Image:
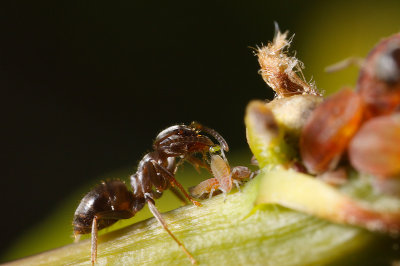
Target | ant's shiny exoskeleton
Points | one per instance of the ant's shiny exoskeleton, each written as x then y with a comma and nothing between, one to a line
112,200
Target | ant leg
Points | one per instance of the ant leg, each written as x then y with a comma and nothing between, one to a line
161,220
94,240
179,195
179,163
116,215
198,163
164,172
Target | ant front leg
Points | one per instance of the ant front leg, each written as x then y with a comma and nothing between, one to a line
170,177
162,222
198,163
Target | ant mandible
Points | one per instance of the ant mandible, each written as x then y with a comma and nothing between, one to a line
112,200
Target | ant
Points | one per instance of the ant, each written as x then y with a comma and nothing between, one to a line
223,180
112,200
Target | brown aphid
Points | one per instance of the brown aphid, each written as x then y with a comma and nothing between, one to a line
223,180
111,200
379,79
329,129
279,70
375,149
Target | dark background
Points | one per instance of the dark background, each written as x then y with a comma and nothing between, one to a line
87,86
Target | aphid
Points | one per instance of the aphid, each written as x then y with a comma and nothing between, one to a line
279,70
329,129
375,149
379,79
223,180
111,201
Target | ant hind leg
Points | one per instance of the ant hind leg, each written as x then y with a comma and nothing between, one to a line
94,240
112,215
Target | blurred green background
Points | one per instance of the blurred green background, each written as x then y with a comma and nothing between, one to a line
88,85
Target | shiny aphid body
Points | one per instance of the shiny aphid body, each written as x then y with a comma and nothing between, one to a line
112,200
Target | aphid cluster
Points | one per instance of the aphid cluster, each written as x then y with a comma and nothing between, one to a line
112,200
364,124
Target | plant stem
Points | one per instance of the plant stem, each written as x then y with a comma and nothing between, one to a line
224,231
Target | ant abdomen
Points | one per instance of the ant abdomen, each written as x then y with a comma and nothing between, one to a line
104,202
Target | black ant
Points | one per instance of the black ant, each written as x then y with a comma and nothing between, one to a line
112,200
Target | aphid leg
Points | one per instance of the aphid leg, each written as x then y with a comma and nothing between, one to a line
161,220
237,184
164,172
211,193
179,195
239,174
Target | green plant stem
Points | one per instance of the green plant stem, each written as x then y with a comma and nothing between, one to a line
224,231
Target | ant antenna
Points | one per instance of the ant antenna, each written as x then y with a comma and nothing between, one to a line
213,133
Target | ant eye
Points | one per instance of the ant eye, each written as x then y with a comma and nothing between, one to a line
388,65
